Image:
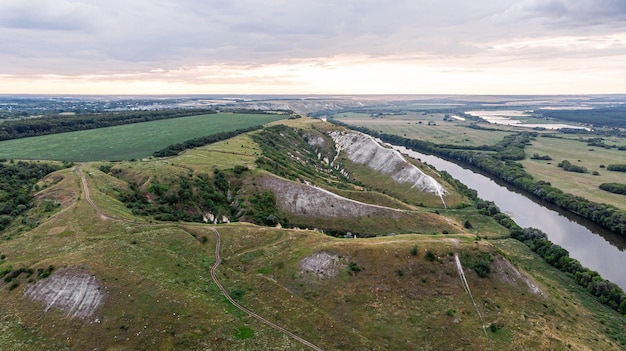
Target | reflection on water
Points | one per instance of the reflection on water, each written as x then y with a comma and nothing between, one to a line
595,247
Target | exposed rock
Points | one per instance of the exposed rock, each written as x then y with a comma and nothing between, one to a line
74,291
305,199
323,264
363,149
507,272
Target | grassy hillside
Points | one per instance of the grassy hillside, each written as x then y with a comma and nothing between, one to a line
130,141
147,285
381,294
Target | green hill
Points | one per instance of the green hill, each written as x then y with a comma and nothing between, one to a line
104,270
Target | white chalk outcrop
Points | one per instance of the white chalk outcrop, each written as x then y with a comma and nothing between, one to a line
309,200
363,149
74,291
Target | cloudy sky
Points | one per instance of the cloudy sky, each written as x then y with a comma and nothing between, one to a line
312,47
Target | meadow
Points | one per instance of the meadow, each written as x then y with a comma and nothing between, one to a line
132,141
415,125
580,154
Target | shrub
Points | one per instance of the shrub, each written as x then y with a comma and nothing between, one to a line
236,294
430,256
482,268
414,250
354,267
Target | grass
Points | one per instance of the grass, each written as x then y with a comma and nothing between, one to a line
408,126
126,142
158,277
159,294
240,150
585,185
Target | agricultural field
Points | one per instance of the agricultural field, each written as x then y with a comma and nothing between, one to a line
425,126
132,141
580,154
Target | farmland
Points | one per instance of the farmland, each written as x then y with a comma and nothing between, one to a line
580,154
425,126
133,141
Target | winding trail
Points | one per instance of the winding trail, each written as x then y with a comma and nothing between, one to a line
95,207
242,308
213,268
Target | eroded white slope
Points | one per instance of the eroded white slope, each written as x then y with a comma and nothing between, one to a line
363,149
309,200
74,291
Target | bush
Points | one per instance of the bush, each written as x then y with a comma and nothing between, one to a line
430,256
414,250
615,188
617,168
236,294
354,267
482,268
567,166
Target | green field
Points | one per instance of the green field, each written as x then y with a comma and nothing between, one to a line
130,141
414,125
580,154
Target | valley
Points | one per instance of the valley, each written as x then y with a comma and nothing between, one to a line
300,235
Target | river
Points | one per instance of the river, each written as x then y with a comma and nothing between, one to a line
595,247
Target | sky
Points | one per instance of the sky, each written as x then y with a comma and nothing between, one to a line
312,47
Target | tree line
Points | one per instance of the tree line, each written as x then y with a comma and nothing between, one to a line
612,117
175,149
61,124
605,291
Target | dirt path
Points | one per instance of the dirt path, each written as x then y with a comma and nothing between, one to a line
213,268
95,207
242,308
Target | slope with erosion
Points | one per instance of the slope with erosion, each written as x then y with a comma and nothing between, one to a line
388,293
340,294
308,155
364,150
315,207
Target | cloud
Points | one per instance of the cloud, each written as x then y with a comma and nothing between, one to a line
565,14
164,39
60,15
